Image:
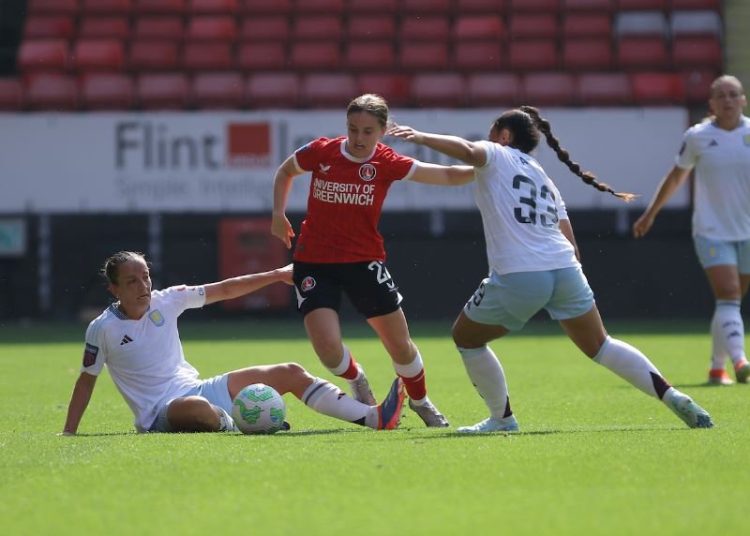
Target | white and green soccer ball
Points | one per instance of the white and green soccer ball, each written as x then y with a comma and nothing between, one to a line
259,409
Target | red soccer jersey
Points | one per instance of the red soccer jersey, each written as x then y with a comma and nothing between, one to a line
345,201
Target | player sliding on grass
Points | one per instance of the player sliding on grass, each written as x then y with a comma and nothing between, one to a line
137,338
534,264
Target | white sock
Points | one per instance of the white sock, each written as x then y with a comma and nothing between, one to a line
326,398
346,359
488,377
631,365
731,329
718,349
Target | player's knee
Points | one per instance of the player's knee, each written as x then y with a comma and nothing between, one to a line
296,371
193,414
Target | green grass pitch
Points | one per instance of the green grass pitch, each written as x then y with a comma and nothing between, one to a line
594,456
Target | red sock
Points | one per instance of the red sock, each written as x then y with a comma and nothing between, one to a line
416,386
351,372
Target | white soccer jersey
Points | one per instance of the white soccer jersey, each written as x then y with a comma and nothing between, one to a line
722,179
520,208
144,357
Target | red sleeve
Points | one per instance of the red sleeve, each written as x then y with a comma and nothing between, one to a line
308,155
399,166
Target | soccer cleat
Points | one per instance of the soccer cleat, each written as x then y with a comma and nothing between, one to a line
742,372
361,391
429,414
687,410
491,424
389,412
719,377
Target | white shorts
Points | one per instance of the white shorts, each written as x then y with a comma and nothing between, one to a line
215,390
510,300
717,252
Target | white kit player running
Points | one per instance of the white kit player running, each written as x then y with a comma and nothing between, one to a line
138,341
533,261
340,251
719,151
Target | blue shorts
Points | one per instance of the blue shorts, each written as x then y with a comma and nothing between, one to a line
510,300
717,252
215,390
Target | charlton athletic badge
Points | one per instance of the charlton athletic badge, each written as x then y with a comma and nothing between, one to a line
308,283
367,172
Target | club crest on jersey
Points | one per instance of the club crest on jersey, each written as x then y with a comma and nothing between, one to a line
156,317
367,172
308,284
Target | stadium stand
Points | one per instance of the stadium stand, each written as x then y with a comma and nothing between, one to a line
555,52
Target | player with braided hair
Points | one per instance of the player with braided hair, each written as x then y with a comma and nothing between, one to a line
534,264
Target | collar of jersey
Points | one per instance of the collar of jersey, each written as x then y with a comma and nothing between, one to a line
353,158
114,307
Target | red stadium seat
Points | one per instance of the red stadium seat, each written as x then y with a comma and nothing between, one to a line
106,7
211,28
549,89
479,27
539,6
265,28
497,89
317,55
371,27
423,55
163,91
697,85
159,27
332,7
599,6
376,7
53,7
535,55
107,91
216,7
273,90
430,28
266,7
51,91
698,51
588,54
645,5
261,56
396,88
443,89
587,25
207,56
642,52
48,27
11,95
370,55
46,55
165,7
153,56
98,55
604,89
325,27
425,6
218,91
478,56
482,6
104,28
328,90
657,88
524,25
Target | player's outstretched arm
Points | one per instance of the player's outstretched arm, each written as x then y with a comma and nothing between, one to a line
282,183
667,187
235,287
453,146
79,401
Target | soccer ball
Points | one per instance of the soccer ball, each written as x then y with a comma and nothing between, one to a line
258,409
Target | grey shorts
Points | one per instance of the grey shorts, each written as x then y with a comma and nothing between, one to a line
510,300
215,390
717,252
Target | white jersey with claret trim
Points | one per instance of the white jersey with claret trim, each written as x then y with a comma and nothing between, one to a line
145,356
521,208
721,159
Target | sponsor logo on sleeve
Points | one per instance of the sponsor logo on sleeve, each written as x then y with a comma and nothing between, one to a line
89,355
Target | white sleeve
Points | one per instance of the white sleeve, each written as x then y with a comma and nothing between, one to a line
184,297
489,152
94,351
688,154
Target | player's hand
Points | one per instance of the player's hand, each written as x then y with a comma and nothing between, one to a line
282,229
642,225
405,133
286,274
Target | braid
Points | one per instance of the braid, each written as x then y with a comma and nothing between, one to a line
564,157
